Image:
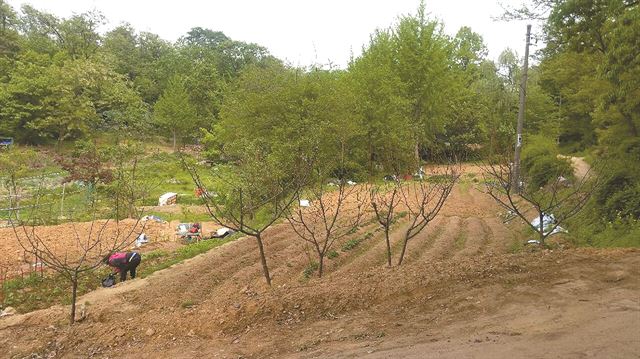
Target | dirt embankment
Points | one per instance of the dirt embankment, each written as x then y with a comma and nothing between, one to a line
460,294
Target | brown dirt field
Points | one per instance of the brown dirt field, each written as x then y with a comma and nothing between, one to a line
62,239
460,294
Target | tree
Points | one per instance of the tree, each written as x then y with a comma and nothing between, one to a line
383,108
423,59
87,164
469,49
93,240
405,80
252,197
9,37
423,200
174,112
331,215
385,200
556,202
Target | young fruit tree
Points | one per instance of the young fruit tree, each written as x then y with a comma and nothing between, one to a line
247,198
553,199
327,215
423,199
385,199
103,233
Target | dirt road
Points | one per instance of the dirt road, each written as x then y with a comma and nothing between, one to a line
460,294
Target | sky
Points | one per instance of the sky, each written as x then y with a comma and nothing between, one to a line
301,32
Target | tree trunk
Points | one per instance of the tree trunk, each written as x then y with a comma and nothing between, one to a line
404,249
386,236
541,229
263,259
74,294
174,140
321,265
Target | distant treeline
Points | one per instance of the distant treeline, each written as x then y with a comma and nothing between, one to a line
414,93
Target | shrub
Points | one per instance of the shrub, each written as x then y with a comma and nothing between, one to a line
540,163
619,195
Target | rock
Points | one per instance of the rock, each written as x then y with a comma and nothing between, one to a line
150,332
8,311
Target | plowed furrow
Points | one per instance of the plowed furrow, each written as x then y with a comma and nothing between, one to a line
425,240
471,239
444,244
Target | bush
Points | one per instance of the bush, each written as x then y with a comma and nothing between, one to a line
619,195
540,163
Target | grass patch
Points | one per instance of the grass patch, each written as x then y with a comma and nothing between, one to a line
35,291
332,254
516,245
460,240
352,243
311,269
159,262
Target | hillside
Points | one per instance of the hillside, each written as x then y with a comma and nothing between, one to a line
461,293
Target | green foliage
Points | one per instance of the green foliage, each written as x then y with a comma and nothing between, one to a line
350,244
619,195
541,164
174,112
354,242
591,69
332,254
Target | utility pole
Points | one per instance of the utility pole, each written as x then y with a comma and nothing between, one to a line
523,96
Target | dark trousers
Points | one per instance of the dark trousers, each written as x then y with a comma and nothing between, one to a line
133,261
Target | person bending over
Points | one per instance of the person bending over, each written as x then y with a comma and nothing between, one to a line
123,262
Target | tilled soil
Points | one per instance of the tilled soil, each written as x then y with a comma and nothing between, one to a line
459,294
64,240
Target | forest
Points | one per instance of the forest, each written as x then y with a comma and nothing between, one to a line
413,95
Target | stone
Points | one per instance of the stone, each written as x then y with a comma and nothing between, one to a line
150,332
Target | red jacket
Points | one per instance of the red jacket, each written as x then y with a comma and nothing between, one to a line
118,260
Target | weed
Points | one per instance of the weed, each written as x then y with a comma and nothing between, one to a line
187,304
350,244
311,268
155,254
332,254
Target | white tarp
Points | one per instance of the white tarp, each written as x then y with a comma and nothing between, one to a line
142,239
167,198
223,231
548,221
304,203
